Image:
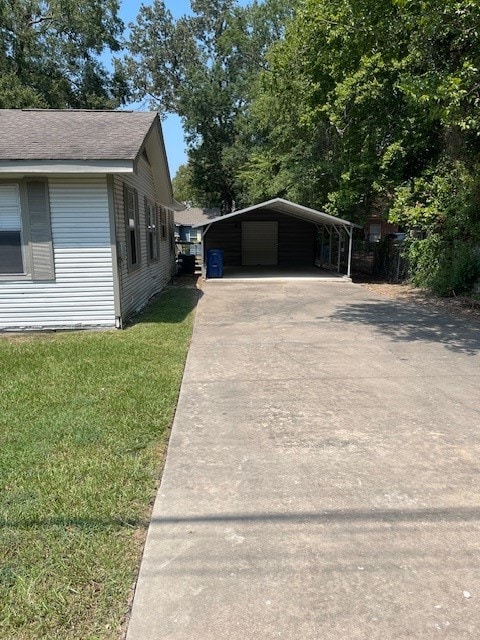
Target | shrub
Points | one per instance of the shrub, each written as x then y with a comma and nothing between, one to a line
446,268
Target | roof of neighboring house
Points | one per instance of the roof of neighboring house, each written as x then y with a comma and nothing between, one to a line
195,216
50,134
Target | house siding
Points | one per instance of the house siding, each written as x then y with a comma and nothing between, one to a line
81,295
138,285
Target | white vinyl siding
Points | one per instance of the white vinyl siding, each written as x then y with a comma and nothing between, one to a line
82,293
137,287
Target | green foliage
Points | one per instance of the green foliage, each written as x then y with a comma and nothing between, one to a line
366,106
446,268
182,185
202,67
49,54
444,197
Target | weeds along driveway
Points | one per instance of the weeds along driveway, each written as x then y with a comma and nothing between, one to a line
322,479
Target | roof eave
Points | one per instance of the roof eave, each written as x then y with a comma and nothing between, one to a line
65,166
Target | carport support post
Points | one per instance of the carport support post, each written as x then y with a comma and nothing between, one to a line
319,229
350,248
323,242
339,250
339,247
330,247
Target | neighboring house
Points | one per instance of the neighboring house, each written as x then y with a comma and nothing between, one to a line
86,217
188,238
377,228
187,218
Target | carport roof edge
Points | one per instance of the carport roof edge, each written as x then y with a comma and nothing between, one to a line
290,208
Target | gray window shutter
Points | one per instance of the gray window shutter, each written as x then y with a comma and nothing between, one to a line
43,266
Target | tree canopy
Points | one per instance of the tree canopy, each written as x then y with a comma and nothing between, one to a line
201,67
368,107
49,54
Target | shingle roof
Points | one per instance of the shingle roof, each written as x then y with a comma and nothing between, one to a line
194,215
42,134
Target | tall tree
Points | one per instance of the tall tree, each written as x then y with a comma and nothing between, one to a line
370,107
201,67
362,96
49,54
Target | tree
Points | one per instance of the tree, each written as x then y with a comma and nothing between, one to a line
49,54
201,67
335,124
369,107
183,188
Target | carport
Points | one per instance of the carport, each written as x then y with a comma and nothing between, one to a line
278,236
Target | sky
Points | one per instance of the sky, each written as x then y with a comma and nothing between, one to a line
172,126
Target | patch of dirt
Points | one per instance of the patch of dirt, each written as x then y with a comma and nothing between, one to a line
460,306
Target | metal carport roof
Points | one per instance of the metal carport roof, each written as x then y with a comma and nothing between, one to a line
289,208
318,218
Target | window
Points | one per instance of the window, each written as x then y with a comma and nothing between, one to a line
26,246
375,232
163,223
152,231
170,230
130,197
11,241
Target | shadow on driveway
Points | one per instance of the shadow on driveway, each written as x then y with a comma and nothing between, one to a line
407,323
440,514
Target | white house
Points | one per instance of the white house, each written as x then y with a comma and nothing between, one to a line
86,217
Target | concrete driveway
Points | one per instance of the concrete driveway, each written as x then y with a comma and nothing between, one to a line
323,475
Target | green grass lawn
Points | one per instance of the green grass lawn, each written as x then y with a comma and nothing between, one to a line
84,423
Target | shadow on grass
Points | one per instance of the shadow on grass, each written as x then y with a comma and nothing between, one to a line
170,306
407,323
79,523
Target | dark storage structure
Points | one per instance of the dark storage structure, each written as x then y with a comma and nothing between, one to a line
278,233
265,238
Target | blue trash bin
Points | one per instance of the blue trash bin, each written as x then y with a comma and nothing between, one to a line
215,263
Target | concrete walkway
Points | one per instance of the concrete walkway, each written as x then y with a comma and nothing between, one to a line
323,474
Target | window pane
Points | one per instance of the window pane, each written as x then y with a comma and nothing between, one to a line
11,259
133,246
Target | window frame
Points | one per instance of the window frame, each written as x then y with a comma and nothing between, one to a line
152,231
27,273
374,232
132,243
163,223
16,230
